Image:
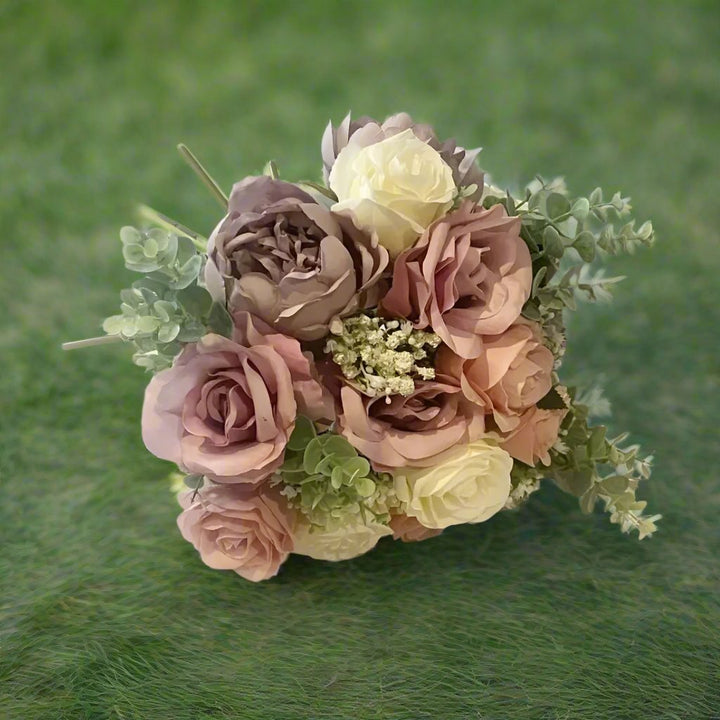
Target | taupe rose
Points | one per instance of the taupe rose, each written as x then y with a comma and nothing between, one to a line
291,261
410,430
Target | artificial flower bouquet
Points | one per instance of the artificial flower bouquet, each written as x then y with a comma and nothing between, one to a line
376,354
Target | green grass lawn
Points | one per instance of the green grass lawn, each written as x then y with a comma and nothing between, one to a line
106,612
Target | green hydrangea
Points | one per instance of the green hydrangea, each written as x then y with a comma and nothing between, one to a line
380,356
325,479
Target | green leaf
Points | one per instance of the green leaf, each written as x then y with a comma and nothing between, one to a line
552,243
364,487
580,208
585,245
219,320
556,205
596,444
357,466
312,456
552,401
194,482
301,436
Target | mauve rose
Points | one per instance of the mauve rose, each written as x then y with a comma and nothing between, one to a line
513,372
291,261
537,432
408,430
236,529
366,131
226,408
410,529
469,275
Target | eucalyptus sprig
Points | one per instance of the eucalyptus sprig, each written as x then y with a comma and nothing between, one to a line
591,466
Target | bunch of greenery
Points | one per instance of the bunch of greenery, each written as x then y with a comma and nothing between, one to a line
324,478
554,224
167,308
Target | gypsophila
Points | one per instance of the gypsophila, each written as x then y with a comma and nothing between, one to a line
382,357
525,481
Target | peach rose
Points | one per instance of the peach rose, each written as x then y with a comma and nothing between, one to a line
410,529
226,408
537,432
513,372
234,529
408,430
468,275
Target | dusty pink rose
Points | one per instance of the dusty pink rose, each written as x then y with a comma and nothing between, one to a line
410,529
226,408
236,529
469,275
513,372
408,430
290,261
365,131
535,435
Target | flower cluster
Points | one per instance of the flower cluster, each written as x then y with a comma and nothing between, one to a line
373,355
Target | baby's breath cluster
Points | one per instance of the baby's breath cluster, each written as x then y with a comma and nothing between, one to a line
380,356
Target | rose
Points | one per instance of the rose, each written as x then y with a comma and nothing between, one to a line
291,261
513,372
409,529
395,431
340,543
469,275
466,174
468,484
536,433
234,529
227,407
394,187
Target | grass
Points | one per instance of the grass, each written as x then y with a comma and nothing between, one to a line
106,612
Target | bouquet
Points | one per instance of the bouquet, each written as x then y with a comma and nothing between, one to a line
375,354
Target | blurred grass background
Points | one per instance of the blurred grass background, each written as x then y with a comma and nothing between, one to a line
105,611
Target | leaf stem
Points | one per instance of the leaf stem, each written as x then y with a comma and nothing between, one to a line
203,174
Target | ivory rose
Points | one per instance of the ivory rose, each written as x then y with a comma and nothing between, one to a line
226,408
468,484
236,529
394,188
536,433
290,261
341,543
469,275
513,372
410,430
466,174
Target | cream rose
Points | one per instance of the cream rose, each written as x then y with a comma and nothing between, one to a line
342,543
395,187
469,484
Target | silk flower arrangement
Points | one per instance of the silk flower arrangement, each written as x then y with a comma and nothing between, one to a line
373,355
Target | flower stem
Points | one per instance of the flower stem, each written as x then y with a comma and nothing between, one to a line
203,174
90,342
